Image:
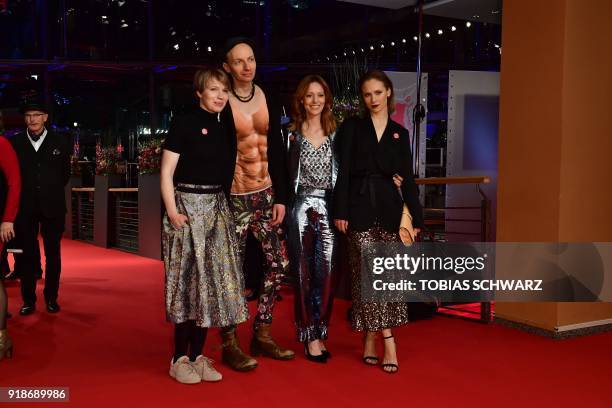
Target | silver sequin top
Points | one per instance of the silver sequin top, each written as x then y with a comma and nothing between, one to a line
316,165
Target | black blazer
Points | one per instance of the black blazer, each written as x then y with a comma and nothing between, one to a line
277,166
44,174
365,192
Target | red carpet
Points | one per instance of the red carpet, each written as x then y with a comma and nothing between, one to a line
111,346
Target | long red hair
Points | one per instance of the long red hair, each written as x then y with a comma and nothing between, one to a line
298,113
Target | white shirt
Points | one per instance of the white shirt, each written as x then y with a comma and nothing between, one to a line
39,142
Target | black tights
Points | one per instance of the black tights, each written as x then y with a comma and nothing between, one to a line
189,340
3,305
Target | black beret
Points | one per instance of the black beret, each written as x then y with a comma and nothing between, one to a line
232,42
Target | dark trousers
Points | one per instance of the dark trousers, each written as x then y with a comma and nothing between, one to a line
4,265
51,230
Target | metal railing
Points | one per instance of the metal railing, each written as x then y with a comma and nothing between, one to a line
123,233
83,213
436,222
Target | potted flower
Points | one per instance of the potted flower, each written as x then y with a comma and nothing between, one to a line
108,175
149,198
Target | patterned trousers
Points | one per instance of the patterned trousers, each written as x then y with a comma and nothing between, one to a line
254,212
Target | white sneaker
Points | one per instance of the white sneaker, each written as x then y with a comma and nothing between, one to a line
183,372
203,366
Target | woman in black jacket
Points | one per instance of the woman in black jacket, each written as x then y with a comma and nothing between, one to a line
368,206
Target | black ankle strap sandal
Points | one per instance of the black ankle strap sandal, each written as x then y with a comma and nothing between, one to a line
369,360
390,365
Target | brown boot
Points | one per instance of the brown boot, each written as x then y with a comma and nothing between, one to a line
231,353
264,345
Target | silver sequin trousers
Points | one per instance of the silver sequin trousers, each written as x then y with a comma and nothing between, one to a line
311,252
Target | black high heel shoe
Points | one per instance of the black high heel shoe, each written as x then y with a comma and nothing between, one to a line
310,357
394,368
369,360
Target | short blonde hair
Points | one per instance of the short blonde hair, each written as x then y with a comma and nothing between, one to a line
203,76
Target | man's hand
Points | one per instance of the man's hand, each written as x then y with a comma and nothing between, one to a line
178,221
342,225
278,214
6,231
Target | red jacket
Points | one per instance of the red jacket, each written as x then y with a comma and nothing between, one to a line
10,185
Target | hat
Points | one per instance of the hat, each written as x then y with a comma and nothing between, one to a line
234,41
33,103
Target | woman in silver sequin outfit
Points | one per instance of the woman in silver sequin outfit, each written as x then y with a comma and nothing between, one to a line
367,206
204,282
312,168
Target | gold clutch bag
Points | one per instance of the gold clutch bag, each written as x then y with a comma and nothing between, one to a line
406,231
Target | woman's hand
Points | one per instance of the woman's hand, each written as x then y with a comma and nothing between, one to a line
278,214
178,221
342,225
6,231
398,180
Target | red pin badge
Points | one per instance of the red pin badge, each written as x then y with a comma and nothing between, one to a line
204,131
396,136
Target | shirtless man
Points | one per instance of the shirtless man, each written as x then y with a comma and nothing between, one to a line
259,193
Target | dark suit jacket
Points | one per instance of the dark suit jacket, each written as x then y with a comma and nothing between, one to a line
44,174
277,166
364,192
